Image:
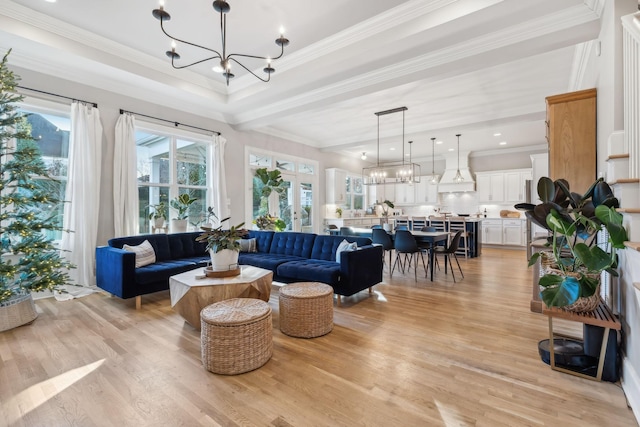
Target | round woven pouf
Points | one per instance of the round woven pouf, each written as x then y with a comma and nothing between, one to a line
236,335
306,309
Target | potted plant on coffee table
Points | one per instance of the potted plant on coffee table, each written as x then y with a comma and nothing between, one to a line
223,245
574,263
181,204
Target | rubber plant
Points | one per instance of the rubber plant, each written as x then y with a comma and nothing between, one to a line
573,221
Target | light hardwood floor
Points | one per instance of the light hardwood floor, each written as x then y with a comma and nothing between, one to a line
410,354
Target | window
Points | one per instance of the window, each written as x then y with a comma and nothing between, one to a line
355,193
50,127
170,165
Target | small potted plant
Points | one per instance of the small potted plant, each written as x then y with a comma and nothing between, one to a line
158,214
223,245
268,222
386,205
573,266
181,204
209,216
339,212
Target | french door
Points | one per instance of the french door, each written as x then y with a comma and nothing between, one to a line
296,203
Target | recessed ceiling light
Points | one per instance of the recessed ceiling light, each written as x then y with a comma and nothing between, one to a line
438,142
406,155
503,143
451,149
497,134
392,149
50,1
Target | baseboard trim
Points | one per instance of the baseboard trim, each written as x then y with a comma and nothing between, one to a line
631,386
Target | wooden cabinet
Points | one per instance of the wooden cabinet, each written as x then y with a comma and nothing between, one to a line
571,133
336,188
490,187
515,185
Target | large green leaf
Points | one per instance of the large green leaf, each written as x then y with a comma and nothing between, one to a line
594,258
549,280
566,293
588,286
559,224
612,220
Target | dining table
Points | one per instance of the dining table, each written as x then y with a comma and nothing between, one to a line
431,237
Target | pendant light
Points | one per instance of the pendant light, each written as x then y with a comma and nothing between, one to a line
458,178
434,177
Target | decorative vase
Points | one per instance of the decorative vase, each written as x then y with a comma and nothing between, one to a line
224,260
386,226
178,225
17,311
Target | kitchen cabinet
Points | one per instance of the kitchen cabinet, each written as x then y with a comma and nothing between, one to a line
490,187
426,193
515,185
405,194
492,231
512,233
571,133
383,192
336,186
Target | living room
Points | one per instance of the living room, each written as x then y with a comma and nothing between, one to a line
201,108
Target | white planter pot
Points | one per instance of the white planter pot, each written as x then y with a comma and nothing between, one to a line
158,222
224,260
386,227
179,225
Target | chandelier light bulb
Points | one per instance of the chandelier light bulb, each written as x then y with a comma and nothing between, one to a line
281,31
173,45
161,4
364,156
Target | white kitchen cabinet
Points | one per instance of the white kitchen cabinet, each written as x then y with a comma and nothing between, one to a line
492,231
490,187
385,192
426,193
515,185
336,186
512,234
405,194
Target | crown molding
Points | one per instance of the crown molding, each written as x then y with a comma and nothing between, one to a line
271,131
538,148
581,58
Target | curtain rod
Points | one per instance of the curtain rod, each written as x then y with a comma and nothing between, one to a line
59,96
176,124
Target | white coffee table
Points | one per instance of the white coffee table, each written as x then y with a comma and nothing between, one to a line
190,295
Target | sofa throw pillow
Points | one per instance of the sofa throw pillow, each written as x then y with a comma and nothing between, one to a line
145,254
248,245
345,246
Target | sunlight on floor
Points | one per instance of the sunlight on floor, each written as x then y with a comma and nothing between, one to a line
34,396
380,296
450,416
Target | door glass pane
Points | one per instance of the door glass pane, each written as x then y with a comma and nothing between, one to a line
306,204
259,160
152,152
306,168
260,205
285,165
191,162
285,205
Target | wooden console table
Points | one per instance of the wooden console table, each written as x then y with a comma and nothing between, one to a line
601,316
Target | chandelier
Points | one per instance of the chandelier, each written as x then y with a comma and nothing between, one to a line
392,172
458,178
434,178
226,59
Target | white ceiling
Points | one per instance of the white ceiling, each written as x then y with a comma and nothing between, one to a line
476,67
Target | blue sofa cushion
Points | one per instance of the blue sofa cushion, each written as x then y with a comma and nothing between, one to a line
324,247
160,243
266,261
290,243
161,271
311,270
263,239
184,245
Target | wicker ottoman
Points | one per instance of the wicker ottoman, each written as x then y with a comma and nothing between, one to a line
306,309
236,335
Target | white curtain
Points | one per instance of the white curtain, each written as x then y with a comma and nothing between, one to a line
83,194
219,183
125,186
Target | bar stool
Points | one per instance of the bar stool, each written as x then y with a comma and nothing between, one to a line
459,224
418,222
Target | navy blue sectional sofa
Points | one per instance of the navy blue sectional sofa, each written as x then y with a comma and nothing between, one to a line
293,257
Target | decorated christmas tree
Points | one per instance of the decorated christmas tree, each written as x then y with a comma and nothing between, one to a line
25,213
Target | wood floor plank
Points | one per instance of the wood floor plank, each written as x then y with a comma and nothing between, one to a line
411,353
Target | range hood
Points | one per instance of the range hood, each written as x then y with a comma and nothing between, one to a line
447,184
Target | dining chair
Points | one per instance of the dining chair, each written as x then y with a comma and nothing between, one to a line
450,252
417,222
405,244
459,224
377,226
426,245
381,237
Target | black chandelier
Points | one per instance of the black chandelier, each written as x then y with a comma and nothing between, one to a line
225,59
